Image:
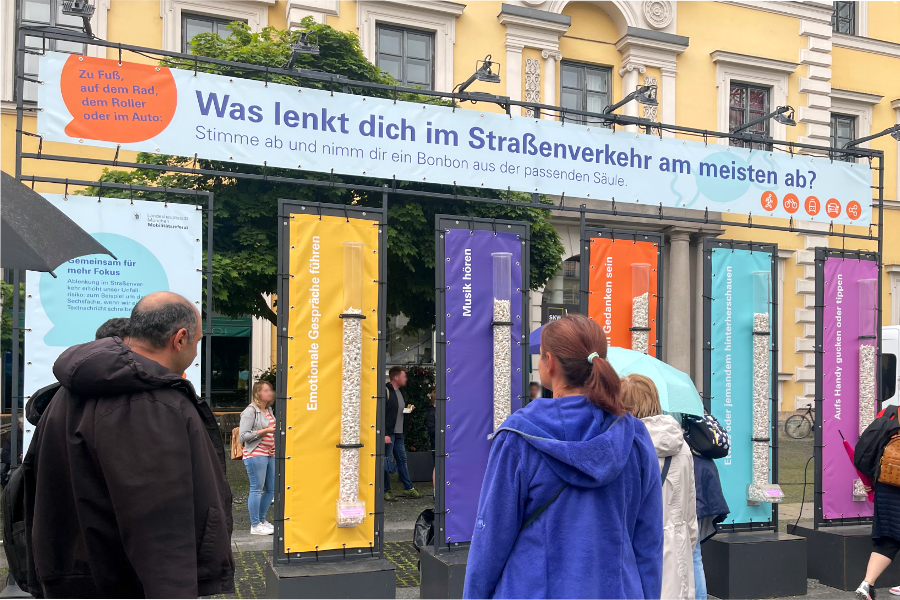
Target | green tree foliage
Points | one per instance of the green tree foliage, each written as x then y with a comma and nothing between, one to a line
419,385
245,232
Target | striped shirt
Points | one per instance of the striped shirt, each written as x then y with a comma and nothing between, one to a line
266,446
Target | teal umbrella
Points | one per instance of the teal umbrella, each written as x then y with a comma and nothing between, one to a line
676,390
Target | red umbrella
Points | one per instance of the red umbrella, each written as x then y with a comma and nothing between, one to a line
865,480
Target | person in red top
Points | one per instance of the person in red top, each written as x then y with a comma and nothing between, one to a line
258,438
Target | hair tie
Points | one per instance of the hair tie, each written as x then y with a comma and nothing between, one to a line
592,356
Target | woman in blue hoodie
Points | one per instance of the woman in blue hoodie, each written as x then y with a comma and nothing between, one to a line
571,504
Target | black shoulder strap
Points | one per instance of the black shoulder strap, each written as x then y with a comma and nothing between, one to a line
540,509
665,469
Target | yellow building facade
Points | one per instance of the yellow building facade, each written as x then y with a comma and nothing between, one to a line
713,64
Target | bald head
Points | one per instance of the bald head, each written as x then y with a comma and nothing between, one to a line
159,316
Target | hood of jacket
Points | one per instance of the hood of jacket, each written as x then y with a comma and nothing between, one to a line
108,367
584,445
666,434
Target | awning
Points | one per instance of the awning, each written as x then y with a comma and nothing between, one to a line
228,327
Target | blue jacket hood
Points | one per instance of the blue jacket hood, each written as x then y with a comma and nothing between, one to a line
584,445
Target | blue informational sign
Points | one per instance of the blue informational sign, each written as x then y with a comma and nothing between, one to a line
731,376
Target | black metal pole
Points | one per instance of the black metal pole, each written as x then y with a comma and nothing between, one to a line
878,382
14,397
207,360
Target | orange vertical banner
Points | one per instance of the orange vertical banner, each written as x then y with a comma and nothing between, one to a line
610,287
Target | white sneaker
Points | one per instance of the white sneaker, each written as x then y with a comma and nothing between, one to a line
260,530
268,526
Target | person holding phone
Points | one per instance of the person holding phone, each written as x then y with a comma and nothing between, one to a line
394,447
258,438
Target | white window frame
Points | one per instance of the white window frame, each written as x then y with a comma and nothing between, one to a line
859,105
254,12
8,45
296,10
757,71
439,18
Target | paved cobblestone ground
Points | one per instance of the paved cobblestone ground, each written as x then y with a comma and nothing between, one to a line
405,558
249,575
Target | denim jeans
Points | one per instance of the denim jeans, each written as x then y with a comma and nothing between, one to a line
261,471
699,575
398,450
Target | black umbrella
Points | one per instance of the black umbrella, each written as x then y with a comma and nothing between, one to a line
36,235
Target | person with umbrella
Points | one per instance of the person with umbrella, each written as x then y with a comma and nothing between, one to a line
679,497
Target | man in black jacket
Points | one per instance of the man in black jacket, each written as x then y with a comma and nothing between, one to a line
125,488
393,438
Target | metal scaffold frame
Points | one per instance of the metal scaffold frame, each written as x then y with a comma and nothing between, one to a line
387,188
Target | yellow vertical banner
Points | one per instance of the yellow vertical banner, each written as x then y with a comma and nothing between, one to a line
313,370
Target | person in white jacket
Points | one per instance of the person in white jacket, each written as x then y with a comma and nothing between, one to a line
676,463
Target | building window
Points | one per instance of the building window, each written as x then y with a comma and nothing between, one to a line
192,25
572,280
407,55
843,20
746,103
45,12
584,87
843,130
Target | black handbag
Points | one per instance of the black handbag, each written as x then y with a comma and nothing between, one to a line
706,436
423,532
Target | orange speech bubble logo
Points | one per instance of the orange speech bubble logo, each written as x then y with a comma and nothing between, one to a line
113,103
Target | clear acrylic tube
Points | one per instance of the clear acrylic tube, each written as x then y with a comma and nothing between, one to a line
502,326
760,490
350,510
868,320
640,307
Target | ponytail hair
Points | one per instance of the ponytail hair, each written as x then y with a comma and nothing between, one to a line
579,346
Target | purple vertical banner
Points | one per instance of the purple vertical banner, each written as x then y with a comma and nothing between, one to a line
840,384
468,277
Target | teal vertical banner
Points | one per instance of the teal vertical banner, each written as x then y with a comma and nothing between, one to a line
731,377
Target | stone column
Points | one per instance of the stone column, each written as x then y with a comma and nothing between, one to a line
678,303
630,74
514,76
667,91
551,57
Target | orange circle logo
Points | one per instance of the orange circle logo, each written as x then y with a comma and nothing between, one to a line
854,210
769,201
791,203
833,208
812,206
112,103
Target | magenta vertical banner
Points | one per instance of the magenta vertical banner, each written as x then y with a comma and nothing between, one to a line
840,383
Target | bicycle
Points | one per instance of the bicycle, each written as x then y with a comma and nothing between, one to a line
800,426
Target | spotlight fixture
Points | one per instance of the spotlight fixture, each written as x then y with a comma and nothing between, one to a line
483,72
303,45
644,94
894,132
782,114
80,8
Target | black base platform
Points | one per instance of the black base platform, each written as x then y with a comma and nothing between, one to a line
765,564
359,578
838,556
442,575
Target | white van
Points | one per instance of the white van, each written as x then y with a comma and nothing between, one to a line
890,352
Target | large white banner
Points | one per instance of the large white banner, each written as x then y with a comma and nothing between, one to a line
95,101
157,247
